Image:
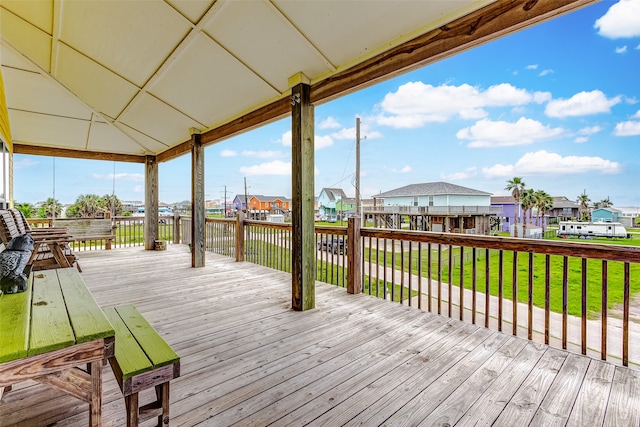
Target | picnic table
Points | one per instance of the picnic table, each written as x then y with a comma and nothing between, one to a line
56,334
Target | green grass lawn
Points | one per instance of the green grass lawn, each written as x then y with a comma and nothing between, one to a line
594,276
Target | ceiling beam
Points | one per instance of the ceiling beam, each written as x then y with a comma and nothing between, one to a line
491,22
75,154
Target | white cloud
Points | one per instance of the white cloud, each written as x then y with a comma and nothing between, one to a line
350,133
531,67
487,133
415,104
134,177
584,133
622,49
545,163
590,130
581,104
228,153
406,169
265,154
622,20
545,72
458,176
276,167
138,189
636,115
629,128
25,163
329,123
319,142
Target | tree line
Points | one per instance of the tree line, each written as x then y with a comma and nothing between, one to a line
529,199
85,206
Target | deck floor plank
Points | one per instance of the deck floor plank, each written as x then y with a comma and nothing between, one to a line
248,359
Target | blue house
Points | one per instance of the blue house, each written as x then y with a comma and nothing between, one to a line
605,215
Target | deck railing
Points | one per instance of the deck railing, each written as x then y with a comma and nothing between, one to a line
570,295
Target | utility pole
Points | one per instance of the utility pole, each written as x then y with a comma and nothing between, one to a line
224,209
358,166
246,197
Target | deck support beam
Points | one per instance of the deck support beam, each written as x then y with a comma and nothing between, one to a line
150,203
197,199
303,250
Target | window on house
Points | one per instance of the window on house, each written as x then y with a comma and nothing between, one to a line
415,200
430,200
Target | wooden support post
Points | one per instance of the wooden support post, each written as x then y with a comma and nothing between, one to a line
354,257
303,250
151,203
240,237
176,227
197,200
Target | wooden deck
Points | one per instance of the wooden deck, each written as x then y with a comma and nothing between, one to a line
248,359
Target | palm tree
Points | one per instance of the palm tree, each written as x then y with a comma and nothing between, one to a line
516,186
528,202
111,203
88,205
544,202
605,203
27,209
583,200
50,208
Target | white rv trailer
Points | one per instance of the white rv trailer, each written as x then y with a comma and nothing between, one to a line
591,229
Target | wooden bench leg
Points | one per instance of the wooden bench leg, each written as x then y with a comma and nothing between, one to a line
131,404
162,394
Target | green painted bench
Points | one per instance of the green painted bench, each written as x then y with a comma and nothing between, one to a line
142,360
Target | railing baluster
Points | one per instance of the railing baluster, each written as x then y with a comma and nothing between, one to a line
474,276
530,296
514,293
449,280
429,271
500,289
461,282
547,297
384,271
625,317
393,269
584,306
565,299
419,275
401,271
605,303
410,275
439,278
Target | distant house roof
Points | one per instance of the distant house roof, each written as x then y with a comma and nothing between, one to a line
334,193
432,189
563,202
612,210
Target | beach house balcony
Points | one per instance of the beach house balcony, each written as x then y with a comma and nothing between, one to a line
404,350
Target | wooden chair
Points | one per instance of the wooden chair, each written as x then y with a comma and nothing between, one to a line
51,250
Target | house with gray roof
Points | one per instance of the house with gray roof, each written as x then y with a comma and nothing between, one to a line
435,206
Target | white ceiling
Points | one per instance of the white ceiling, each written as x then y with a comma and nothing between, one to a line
132,77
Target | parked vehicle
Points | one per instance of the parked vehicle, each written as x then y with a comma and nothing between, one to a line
336,245
586,230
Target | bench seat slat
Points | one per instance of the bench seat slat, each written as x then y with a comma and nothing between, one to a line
156,348
48,309
14,318
131,359
87,318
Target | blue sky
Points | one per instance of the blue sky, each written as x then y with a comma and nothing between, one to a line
557,104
